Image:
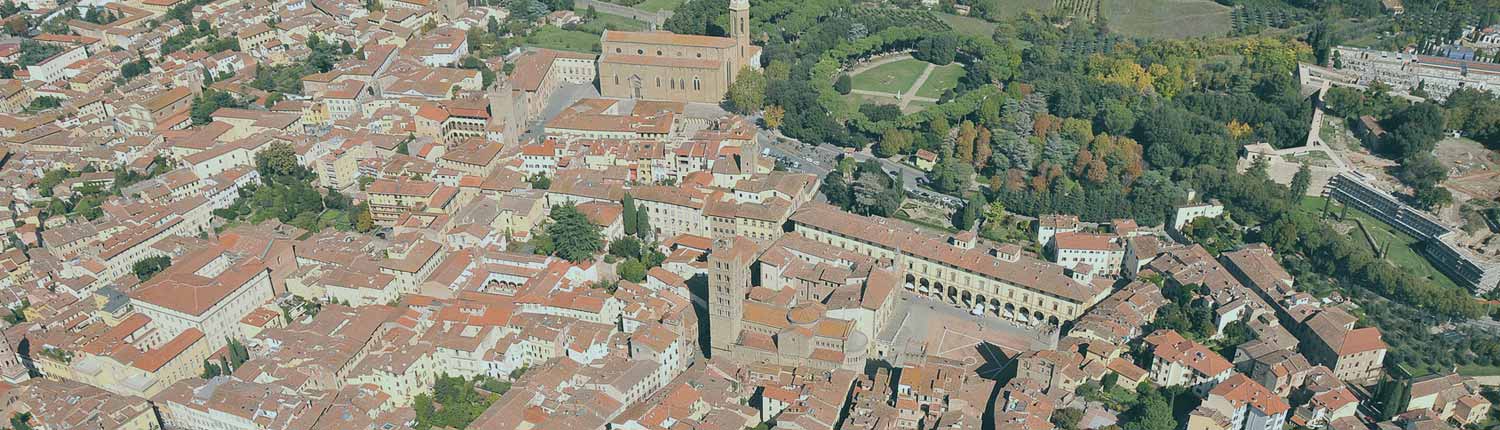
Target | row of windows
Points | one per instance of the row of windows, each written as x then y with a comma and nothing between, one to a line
658,52
673,83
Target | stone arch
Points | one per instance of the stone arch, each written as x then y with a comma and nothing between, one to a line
995,306
1039,317
1053,320
1010,311
1024,315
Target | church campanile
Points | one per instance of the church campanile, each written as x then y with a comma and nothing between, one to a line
739,29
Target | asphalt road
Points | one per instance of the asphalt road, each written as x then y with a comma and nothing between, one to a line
821,159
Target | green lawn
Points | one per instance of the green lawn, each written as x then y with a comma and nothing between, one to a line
1167,18
656,5
980,28
613,22
566,40
942,79
1402,251
1478,370
894,78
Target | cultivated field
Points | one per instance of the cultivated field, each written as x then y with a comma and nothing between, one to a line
656,5
1167,18
972,26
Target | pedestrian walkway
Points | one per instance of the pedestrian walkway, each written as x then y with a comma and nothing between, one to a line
904,99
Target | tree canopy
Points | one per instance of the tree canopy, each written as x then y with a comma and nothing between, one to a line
573,236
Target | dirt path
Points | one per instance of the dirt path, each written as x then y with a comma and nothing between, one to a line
911,93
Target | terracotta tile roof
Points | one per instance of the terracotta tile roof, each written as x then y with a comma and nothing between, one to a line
1085,241
402,187
1173,348
1025,272
156,358
1241,390
192,294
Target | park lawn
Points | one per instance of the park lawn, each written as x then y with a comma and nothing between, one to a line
1402,252
941,79
659,5
566,40
976,27
615,22
894,78
1173,19
1478,370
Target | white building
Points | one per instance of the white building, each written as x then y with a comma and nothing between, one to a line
56,68
1240,403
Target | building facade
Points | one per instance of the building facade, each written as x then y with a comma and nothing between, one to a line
677,67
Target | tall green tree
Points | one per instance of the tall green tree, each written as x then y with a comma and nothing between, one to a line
643,228
1152,411
628,214
748,92
1300,182
963,219
574,237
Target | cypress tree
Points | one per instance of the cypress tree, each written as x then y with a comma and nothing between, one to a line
643,226
628,215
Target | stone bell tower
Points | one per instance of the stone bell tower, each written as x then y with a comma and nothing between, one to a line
739,28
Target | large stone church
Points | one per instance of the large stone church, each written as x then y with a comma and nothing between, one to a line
660,65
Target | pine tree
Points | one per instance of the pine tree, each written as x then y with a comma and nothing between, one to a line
1300,182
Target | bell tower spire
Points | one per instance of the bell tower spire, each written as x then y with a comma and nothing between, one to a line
739,27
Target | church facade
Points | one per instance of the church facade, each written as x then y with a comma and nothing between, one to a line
660,65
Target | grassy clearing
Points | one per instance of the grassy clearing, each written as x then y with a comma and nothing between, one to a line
614,22
1478,370
566,40
1167,18
894,78
1402,251
658,5
941,79
980,28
